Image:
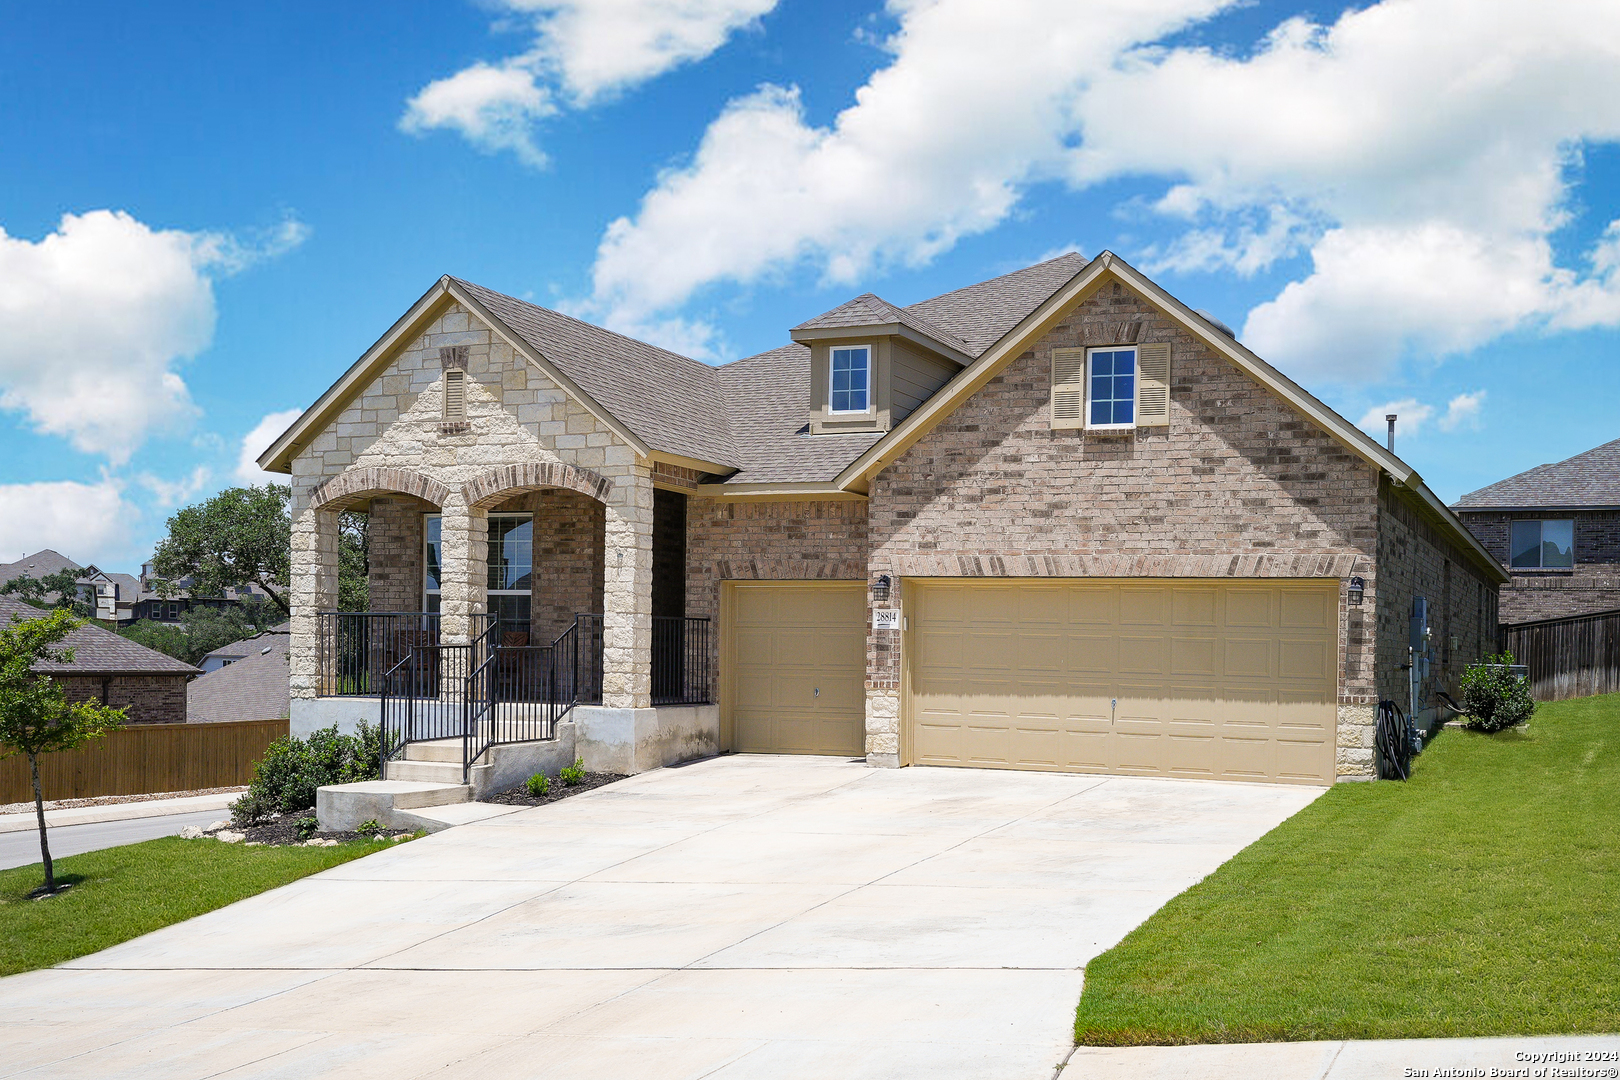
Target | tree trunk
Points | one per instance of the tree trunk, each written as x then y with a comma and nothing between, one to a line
39,811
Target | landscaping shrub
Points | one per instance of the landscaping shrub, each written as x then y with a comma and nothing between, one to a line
370,827
286,777
307,826
573,774
1493,697
538,785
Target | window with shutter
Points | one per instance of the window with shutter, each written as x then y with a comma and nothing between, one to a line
1068,388
1153,385
455,396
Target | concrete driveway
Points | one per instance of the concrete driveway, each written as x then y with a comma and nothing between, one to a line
740,917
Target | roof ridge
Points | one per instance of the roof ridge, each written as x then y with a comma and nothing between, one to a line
576,320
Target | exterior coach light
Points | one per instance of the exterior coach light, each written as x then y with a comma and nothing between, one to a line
880,588
1358,587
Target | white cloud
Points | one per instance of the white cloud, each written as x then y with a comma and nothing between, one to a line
167,493
1414,416
96,316
257,442
584,50
1463,411
1418,150
89,523
492,107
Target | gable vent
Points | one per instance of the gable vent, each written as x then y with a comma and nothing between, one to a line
455,396
1068,388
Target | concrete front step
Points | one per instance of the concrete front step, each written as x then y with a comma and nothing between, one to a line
435,750
429,772
342,807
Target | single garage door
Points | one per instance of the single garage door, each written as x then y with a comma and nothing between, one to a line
795,667
1210,679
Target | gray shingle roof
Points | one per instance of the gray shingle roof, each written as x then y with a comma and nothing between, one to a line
1591,479
672,403
752,414
868,309
39,564
982,314
98,651
255,687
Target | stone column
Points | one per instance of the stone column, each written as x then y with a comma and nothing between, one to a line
627,590
314,580
464,586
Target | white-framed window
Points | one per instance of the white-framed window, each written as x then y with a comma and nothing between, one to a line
1111,387
850,389
510,563
1543,545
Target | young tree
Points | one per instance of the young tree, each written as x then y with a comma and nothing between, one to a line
35,716
63,585
242,536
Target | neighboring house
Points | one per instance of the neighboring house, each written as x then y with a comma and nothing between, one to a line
113,596
248,681
1557,529
174,604
1055,520
115,671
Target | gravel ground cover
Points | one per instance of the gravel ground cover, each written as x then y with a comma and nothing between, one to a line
111,800
519,796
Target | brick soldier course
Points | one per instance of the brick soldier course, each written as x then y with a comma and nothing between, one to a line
607,441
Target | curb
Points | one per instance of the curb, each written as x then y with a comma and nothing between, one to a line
90,815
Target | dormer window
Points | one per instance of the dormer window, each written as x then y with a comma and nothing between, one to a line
850,391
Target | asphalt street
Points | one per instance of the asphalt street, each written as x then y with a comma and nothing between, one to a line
22,848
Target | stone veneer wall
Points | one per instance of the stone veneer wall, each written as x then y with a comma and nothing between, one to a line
799,540
1593,585
1239,485
516,416
150,699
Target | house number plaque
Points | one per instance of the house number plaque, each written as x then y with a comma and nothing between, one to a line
885,619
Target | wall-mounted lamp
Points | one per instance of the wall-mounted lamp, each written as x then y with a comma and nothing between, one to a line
1358,588
880,588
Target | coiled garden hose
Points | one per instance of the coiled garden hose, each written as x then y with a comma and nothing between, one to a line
1392,742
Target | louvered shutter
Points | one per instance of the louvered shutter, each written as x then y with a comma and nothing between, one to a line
1153,385
1068,388
455,396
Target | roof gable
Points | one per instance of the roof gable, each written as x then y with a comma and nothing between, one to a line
869,311
1590,480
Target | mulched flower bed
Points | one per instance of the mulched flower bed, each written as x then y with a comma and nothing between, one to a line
519,796
282,831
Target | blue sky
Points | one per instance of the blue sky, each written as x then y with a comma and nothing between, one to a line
210,210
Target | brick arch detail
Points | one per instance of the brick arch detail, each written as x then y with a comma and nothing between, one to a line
348,486
504,480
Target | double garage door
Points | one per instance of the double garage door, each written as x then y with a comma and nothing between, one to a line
1214,680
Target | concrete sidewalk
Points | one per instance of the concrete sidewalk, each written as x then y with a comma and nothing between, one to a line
89,815
739,918
1527,1056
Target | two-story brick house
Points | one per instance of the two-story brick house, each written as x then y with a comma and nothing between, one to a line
1055,520
1556,528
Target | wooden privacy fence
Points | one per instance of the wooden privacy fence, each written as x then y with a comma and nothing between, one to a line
145,758
1569,657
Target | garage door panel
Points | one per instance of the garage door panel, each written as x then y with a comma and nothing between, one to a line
786,642
1208,681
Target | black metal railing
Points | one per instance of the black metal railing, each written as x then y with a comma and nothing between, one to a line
355,649
680,661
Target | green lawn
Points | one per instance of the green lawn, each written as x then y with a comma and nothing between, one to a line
1480,898
122,892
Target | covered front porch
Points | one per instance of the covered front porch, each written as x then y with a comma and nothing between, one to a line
504,613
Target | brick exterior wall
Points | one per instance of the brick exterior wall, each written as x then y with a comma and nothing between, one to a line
669,554
1593,585
394,534
1414,560
150,699
568,551
799,540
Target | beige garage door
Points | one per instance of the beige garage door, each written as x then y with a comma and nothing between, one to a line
1218,680
795,667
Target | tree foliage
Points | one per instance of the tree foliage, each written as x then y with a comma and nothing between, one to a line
60,590
35,716
240,537
204,630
